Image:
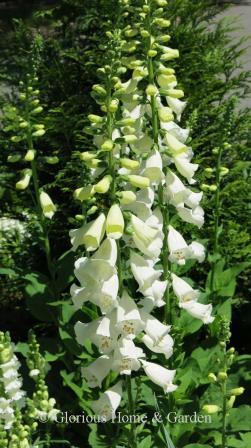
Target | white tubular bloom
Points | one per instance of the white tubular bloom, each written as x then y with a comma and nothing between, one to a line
183,290
177,246
142,206
115,222
90,234
95,373
199,311
175,190
197,251
105,407
160,376
156,336
100,331
129,322
176,105
127,357
185,167
143,271
47,205
153,168
193,216
147,239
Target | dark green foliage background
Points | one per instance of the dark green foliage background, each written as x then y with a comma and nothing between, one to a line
209,70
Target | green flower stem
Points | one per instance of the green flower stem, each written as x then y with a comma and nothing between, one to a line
40,215
133,442
224,404
162,204
216,214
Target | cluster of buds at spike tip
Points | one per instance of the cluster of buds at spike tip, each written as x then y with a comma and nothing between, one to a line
24,121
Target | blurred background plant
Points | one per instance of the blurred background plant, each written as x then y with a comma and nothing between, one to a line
211,72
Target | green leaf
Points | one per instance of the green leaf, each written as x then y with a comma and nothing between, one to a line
38,296
240,418
8,271
197,445
146,443
64,270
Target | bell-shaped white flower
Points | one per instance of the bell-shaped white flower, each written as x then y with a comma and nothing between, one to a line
157,338
115,222
47,205
193,216
143,145
185,168
176,105
183,290
153,168
143,270
129,322
107,252
193,199
95,373
154,294
199,311
174,145
146,239
160,376
127,357
178,249
175,191
142,206
174,129
105,407
197,251
90,234
100,331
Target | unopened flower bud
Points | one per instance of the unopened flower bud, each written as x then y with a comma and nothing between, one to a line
130,138
161,2
107,145
14,158
92,210
222,376
210,408
113,106
23,124
138,181
213,188
38,133
24,182
47,205
93,163
30,155
162,23
152,53
215,150
22,96
37,110
127,197
237,391
224,170
99,89
129,163
52,160
212,377
230,402
144,33
175,93
84,193
103,185
209,170
165,114
151,90
95,118
86,156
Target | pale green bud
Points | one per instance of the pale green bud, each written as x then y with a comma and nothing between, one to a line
164,80
215,150
24,182
95,119
92,210
166,70
127,197
162,23
99,89
165,114
115,222
35,102
47,205
222,376
84,193
103,185
144,33
38,133
93,163
151,90
86,156
107,145
30,155
37,110
79,217
212,377
52,160
164,38
224,170
126,122
138,181
129,164
14,158
23,124
152,53
213,188
230,402
231,350
237,391
131,32
22,96
130,138
113,106
36,92
161,2
15,139
175,93
169,55
209,170
5,355
38,126
210,408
